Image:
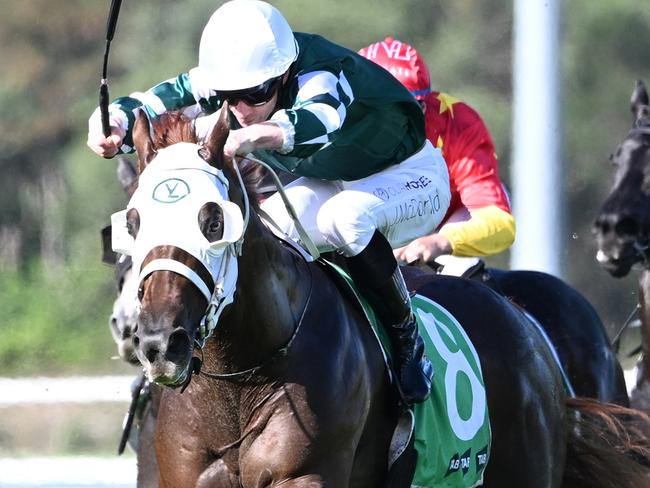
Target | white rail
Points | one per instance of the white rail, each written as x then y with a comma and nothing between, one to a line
73,389
68,471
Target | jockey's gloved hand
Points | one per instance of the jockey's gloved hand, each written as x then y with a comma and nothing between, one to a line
107,147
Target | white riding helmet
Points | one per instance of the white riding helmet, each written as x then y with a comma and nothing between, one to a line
244,44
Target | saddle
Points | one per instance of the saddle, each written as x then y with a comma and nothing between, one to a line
471,268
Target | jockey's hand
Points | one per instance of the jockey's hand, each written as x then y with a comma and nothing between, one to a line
265,135
239,142
107,147
423,250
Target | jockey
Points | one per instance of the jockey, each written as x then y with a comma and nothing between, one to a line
478,222
368,181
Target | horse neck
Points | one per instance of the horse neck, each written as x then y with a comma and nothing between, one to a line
273,287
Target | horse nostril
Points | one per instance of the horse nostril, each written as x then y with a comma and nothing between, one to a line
126,332
601,225
178,346
626,226
151,351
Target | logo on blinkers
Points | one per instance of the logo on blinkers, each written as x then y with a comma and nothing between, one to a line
170,191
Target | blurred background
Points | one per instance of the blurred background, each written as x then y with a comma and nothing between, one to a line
55,195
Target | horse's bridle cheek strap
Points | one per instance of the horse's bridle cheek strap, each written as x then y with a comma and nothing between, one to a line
166,264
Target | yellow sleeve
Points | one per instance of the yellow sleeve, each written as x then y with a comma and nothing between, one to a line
490,230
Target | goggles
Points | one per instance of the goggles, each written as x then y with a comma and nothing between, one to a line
255,97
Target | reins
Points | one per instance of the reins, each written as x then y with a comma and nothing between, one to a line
625,325
304,237
215,306
277,354
643,130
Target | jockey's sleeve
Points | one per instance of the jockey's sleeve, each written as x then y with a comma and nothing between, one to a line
473,170
490,230
180,93
317,114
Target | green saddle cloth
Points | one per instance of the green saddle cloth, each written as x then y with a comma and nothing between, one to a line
452,428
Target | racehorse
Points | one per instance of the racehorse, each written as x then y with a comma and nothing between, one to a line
139,431
573,327
571,323
622,227
293,389
124,315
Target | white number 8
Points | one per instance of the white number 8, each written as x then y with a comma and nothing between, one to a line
465,429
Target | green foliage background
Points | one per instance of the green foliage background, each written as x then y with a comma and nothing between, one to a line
55,195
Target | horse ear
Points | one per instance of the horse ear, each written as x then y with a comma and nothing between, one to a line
142,141
217,139
639,99
127,176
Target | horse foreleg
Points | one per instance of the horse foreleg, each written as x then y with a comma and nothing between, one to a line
218,475
640,397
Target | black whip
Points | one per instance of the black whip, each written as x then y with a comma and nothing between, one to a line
103,87
128,424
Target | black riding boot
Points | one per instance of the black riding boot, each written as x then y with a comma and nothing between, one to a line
376,273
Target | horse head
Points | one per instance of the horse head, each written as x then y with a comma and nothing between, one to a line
182,230
622,227
124,315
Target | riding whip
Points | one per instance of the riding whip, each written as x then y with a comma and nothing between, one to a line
128,424
103,87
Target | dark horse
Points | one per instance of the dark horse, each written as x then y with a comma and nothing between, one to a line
293,390
574,328
622,227
572,324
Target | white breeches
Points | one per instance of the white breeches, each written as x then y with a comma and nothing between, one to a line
403,202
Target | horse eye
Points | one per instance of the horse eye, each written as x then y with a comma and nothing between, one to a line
210,220
214,226
133,222
140,293
612,160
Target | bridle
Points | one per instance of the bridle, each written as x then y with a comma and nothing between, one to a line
208,323
218,291
279,353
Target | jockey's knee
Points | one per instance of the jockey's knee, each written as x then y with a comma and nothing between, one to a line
346,225
305,204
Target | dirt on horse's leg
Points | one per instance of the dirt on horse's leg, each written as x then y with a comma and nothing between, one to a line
218,474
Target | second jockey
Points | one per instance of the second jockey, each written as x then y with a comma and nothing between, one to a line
479,221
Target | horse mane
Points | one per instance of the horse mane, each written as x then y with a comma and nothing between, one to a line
171,128
174,127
